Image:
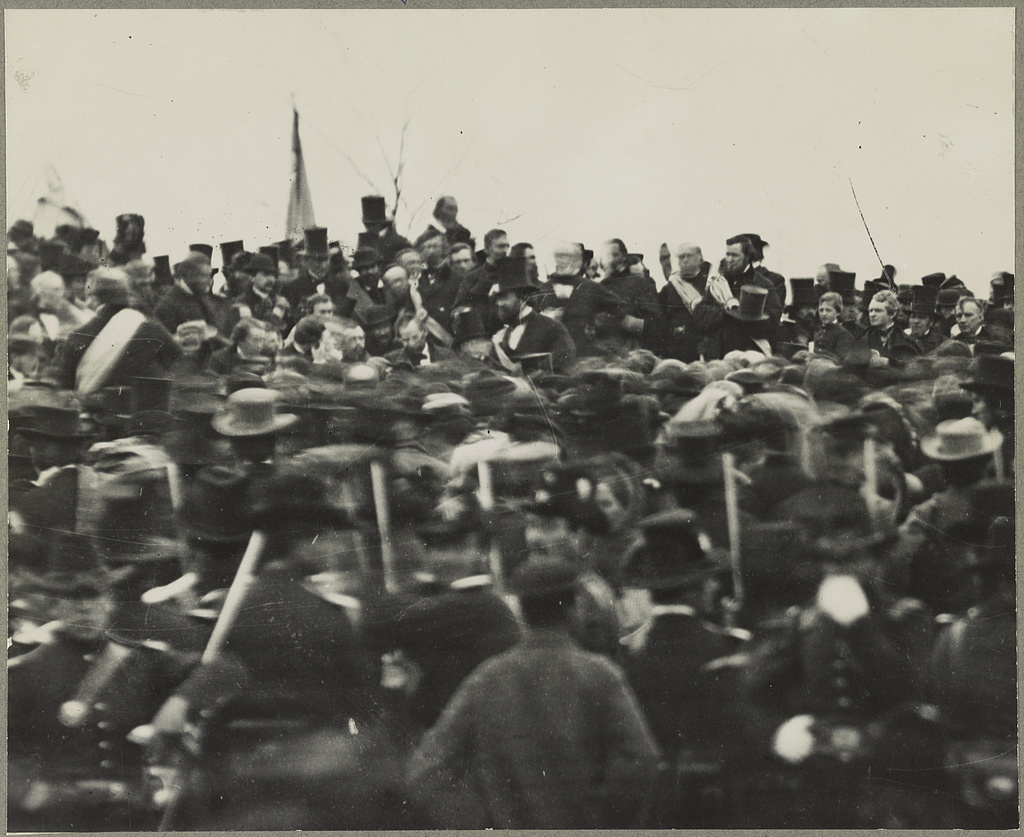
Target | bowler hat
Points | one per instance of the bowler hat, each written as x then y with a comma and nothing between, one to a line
673,552
922,299
375,315
544,578
993,373
960,439
374,209
514,275
364,257
48,422
205,249
933,280
214,507
316,241
228,250
260,263
251,412
751,307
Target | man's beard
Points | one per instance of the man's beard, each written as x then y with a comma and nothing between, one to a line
728,273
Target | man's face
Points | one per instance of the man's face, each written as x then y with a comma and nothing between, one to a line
919,324
447,211
611,257
315,263
254,343
396,280
264,282
821,277
498,248
878,314
734,262
369,275
827,314
324,308
413,337
433,251
969,317
413,265
201,280
509,306
353,344
689,261
381,335
461,261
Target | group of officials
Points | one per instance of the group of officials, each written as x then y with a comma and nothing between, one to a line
407,535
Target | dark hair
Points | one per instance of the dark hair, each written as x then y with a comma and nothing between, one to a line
460,246
308,331
547,611
244,327
520,248
623,250
441,201
748,247
491,235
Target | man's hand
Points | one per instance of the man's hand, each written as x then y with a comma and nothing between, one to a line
719,290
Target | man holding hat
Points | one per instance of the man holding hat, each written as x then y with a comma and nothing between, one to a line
728,317
189,299
379,224
523,740
526,331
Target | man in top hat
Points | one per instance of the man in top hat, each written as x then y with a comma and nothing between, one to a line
471,339
445,222
777,279
719,316
924,322
1001,290
313,273
379,224
526,331
798,322
642,320
189,299
992,388
678,298
118,344
260,299
475,290
511,752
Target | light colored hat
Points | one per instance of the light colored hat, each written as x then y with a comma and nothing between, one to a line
251,412
958,439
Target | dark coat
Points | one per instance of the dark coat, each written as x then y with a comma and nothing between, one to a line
455,234
682,338
542,334
179,306
723,333
438,293
833,340
641,298
475,290
543,736
226,361
893,344
152,351
403,359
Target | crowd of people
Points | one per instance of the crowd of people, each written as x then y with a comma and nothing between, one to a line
407,535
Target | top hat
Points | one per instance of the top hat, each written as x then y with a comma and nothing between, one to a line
544,578
316,241
251,412
751,307
1002,288
375,210
162,271
922,299
468,325
365,257
73,569
228,250
367,240
205,249
804,292
947,296
271,251
959,439
214,506
514,275
674,552
48,422
933,280
952,281
993,373
842,282
285,251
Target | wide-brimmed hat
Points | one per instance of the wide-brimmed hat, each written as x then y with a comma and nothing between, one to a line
544,578
751,307
215,505
673,552
251,412
994,373
49,422
375,209
959,439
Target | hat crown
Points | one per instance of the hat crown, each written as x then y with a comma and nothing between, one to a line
53,421
374,208
316,241
514,273
752,300
963,438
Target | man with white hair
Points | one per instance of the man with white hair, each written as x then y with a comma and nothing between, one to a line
678,298
57,316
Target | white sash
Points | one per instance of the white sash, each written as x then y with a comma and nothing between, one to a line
106,350
687,293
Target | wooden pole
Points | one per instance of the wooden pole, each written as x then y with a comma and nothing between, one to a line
379,480
732,510
236,595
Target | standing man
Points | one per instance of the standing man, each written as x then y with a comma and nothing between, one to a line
642,320
777,279
365,289
259,300
378,223
312,276
189,299
722,295
445,223
440,284
678,298
545,735
476,286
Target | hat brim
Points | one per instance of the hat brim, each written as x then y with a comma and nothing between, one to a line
227,426
931,446
737,317
44,434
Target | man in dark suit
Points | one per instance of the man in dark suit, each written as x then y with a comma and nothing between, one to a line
314,272
476,285
415,351
678,298
526,330
643,313
445,214
378,223
188,299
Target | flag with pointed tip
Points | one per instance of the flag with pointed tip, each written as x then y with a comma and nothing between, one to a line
300,201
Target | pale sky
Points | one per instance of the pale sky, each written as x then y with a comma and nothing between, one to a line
648,125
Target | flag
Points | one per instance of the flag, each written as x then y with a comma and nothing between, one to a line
300,202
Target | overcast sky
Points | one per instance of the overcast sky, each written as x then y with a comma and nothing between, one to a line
649,125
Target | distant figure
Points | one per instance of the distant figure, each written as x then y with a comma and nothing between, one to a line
445,222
